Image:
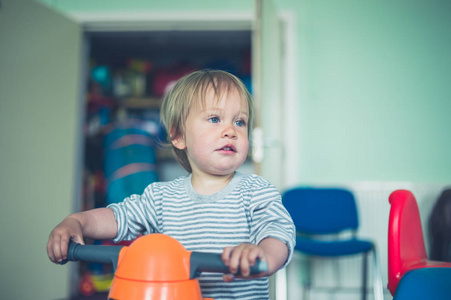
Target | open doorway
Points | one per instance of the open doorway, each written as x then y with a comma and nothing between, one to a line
163,47
127,75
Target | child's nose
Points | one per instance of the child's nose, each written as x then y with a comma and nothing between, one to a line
229,131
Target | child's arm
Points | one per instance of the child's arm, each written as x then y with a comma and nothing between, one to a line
276,254
98,223
271,250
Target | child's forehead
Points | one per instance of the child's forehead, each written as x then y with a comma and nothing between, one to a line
213,99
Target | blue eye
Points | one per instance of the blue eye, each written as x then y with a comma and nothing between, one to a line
213,119
240,123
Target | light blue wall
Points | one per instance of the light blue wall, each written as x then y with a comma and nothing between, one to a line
374,90
373,84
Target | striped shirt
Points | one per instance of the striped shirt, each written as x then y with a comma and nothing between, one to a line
247,210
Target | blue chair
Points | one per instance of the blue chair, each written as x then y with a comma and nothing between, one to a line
318,212
425,283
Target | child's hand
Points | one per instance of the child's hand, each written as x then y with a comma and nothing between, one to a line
68,229
243,257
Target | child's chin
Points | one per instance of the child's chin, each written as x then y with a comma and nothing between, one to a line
225,168
225,171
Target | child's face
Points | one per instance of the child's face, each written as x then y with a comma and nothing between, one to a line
216,138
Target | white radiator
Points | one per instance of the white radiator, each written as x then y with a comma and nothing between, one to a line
374,209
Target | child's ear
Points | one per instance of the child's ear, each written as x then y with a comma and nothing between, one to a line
178,142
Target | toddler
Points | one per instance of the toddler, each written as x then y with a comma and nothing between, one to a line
208,115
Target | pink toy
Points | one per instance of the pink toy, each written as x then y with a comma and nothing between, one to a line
406,250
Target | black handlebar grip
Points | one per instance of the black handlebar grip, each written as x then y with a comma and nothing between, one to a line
212,262
94,253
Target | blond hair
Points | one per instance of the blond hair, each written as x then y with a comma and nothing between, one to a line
191,90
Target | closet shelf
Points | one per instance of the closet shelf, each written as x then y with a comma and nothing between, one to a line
142,103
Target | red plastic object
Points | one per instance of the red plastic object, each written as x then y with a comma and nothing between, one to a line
163,78
86,286
156,267
406,250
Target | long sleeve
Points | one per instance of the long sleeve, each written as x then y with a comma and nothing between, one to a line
136,214
269,218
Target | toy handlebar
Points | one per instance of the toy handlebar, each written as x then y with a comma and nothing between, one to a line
154,267
93,253
212,262
199,261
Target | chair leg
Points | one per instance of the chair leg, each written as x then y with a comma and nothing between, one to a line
281,284
306,291
307,280
364,274
378,290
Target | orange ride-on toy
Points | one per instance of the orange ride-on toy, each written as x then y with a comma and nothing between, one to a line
154,267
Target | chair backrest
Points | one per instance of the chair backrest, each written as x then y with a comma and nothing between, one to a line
439,227
321,210
405,236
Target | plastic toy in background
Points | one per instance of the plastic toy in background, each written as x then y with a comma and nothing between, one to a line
411,275
139,65
132,80
101,75
98,276
91,283
146,120
155,267
129,84
129,162
99,110
166,77
97,122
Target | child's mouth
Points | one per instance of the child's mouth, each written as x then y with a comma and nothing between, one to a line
228,148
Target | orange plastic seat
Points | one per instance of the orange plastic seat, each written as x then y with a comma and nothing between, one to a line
154,267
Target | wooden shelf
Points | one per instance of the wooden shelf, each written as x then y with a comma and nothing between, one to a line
140,103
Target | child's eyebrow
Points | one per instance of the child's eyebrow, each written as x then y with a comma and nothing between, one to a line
244,114
217,109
